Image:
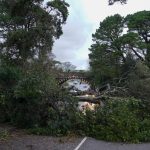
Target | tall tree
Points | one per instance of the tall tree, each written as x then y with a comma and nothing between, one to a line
104,56
28,27
66,66
130,43
140,23
115,51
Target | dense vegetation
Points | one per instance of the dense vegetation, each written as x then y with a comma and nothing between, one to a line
118,44
120,57
29,95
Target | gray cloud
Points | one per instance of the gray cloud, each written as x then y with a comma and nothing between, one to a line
75,34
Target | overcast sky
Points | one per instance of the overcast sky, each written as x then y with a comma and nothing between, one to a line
84,18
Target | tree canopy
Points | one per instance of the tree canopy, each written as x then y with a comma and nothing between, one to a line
117,40
111,2
28,27
140,23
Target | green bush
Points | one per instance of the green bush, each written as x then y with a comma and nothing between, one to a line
3,134
33,95
9,76
34,100
62,122
39,102
139,85
144,130
119,120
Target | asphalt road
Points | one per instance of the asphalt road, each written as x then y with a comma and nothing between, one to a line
30,142
92,144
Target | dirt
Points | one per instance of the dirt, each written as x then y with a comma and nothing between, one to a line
20,140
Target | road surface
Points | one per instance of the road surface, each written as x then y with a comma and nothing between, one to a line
92,144
31,142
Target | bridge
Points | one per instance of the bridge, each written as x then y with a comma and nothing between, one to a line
65,76
96,92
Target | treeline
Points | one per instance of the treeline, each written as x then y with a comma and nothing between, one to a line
120,57
118,44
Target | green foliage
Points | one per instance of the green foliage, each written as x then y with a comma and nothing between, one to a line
118,120
109,29
61,123
3,134
61,6
139,85
35,94
29,95
114,53
102,64
22,20
35,99
139,20
144,134
37,103
104,58
9,76
139,23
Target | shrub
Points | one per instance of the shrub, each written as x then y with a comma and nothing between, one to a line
139,85
62,121
3,134
9,76
33,95
144,130
40,102
34,100
119,120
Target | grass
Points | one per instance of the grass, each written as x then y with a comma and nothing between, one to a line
4,135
